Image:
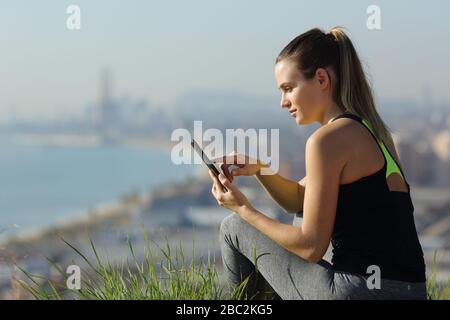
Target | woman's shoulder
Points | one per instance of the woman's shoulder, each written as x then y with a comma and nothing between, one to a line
334,139
338,131
342,138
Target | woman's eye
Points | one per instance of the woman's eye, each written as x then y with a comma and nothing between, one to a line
286,89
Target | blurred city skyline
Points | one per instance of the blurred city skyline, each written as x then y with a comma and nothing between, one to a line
161,51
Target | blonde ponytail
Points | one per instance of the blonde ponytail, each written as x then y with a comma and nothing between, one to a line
354,92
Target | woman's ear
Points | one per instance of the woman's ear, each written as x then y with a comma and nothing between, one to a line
322,77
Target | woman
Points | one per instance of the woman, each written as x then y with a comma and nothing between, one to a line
354,192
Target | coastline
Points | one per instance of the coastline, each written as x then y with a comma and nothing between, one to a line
109,211
114,211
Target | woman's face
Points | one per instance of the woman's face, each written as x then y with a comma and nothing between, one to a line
302,98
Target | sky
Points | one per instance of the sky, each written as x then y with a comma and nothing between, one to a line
158,50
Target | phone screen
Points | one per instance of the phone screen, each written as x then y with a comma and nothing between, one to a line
206,160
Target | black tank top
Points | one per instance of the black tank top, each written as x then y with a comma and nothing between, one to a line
375,226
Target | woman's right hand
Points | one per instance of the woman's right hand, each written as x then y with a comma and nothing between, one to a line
246,166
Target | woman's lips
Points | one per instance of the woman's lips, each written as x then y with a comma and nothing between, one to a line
293,112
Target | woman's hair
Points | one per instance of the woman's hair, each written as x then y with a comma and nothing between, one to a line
315,49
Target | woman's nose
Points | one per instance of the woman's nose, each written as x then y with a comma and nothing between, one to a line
284,103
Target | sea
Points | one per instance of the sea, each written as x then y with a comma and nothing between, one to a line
42,185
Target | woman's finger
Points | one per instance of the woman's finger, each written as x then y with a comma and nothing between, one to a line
237,172
217,184
232,159
226,172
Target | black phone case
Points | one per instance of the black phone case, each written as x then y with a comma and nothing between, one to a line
206,160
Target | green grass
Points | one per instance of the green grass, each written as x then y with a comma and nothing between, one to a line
434,290
159,277
164,276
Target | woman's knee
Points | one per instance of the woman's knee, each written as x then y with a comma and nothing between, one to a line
229,223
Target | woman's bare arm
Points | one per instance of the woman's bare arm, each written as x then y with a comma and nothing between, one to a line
287,193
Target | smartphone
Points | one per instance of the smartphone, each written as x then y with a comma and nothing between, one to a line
206,160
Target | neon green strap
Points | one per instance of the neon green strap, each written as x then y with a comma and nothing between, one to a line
391,164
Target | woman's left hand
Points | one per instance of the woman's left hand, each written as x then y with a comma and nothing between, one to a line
233,199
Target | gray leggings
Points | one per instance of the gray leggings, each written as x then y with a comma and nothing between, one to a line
281,274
